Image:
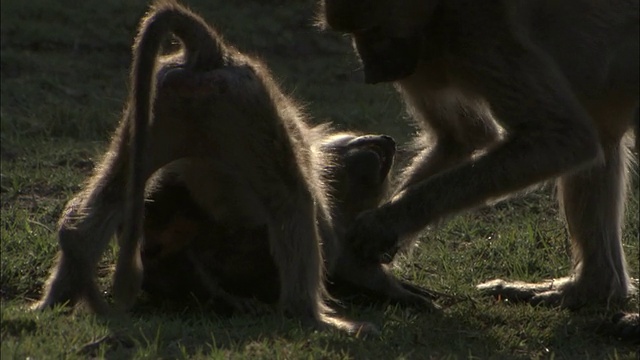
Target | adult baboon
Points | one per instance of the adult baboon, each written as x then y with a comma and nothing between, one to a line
211,102
561,80
231,262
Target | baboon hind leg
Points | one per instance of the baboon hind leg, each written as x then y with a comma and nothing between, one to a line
85,228
90,220
593,202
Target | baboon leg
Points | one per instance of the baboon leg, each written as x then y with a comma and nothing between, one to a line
92,217
557,124
292,233
89,222
170,138
458,130
85,228
167,146
593,202
66,285
291,229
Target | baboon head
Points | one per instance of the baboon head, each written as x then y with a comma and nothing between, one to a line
359,176
350,16
387,34
386,58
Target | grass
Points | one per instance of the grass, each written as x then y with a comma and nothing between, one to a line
64,78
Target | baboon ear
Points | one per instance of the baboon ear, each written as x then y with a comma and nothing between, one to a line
192,84
387,58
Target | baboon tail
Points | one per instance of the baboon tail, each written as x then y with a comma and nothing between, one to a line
204,52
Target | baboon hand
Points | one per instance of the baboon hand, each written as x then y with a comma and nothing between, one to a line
372,238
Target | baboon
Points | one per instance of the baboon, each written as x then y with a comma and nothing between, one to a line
233,264
512,93
207,102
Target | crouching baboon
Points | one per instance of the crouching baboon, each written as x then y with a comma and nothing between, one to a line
232,263
206,102
512,93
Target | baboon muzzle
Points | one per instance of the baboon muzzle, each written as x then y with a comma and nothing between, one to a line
387,58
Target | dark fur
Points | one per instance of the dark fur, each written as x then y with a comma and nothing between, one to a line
179,236
512,93
240,138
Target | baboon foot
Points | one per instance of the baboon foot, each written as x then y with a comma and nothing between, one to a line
517,291
418,298
624,327
372,239
569,292
355,328
564,292
323,321
58,293
61,293
126,286
99,307
43,305
47,303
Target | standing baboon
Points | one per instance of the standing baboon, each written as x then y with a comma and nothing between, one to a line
560,79
181,238
207,102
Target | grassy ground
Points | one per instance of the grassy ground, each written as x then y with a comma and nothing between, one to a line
64,69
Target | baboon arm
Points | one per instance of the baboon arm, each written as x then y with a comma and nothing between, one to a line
548,133
513,166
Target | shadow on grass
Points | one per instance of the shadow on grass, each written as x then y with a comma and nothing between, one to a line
473,327
171,331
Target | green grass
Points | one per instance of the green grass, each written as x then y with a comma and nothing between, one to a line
64,77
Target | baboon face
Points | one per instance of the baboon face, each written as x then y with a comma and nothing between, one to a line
387,34
360,176
387,58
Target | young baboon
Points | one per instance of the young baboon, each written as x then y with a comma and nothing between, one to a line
513,93
206,102
180,237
